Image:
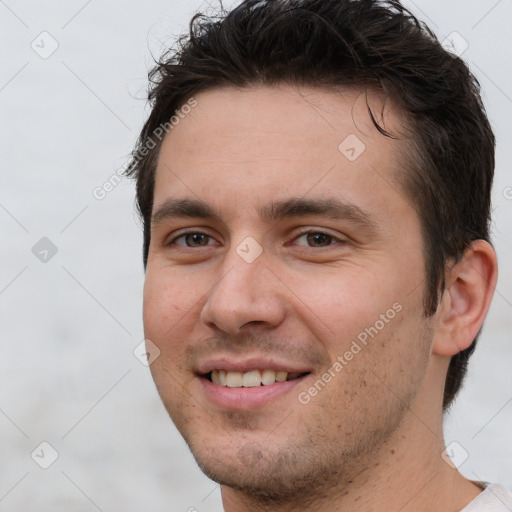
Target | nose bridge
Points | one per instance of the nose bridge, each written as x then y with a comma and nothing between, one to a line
245,291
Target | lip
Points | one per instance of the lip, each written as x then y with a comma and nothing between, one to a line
232,364
246,399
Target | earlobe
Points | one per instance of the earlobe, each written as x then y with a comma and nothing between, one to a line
464,304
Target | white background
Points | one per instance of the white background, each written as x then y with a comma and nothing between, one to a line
69,326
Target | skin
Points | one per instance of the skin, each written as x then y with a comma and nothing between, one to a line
373,434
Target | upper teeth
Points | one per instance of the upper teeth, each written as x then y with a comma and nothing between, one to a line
250,379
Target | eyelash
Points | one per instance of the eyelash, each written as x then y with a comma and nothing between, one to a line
299,235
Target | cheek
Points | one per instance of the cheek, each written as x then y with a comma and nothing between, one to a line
345,302
383,373
165,307
168,316
168,302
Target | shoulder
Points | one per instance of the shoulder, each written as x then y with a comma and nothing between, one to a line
494,498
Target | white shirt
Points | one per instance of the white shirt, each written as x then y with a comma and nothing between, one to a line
494,498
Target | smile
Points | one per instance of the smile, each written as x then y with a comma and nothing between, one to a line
250,379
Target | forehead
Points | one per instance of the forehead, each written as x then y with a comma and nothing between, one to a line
282,141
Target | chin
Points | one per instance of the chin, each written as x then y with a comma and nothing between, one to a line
273,474
250,471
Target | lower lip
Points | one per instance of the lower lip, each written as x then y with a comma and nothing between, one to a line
236,399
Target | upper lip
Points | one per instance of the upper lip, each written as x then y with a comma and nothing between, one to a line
233,364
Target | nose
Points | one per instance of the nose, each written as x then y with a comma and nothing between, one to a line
244,293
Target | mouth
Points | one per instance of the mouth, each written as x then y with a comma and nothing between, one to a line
248,385
251,379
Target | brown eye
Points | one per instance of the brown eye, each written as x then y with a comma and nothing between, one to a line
319,239
192,240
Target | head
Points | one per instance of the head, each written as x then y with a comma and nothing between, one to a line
261,95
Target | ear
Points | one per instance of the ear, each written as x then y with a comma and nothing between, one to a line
466,299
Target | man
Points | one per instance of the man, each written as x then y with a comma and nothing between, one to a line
314,181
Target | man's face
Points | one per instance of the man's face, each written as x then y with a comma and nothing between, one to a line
276,286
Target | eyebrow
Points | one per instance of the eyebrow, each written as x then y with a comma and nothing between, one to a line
331,208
